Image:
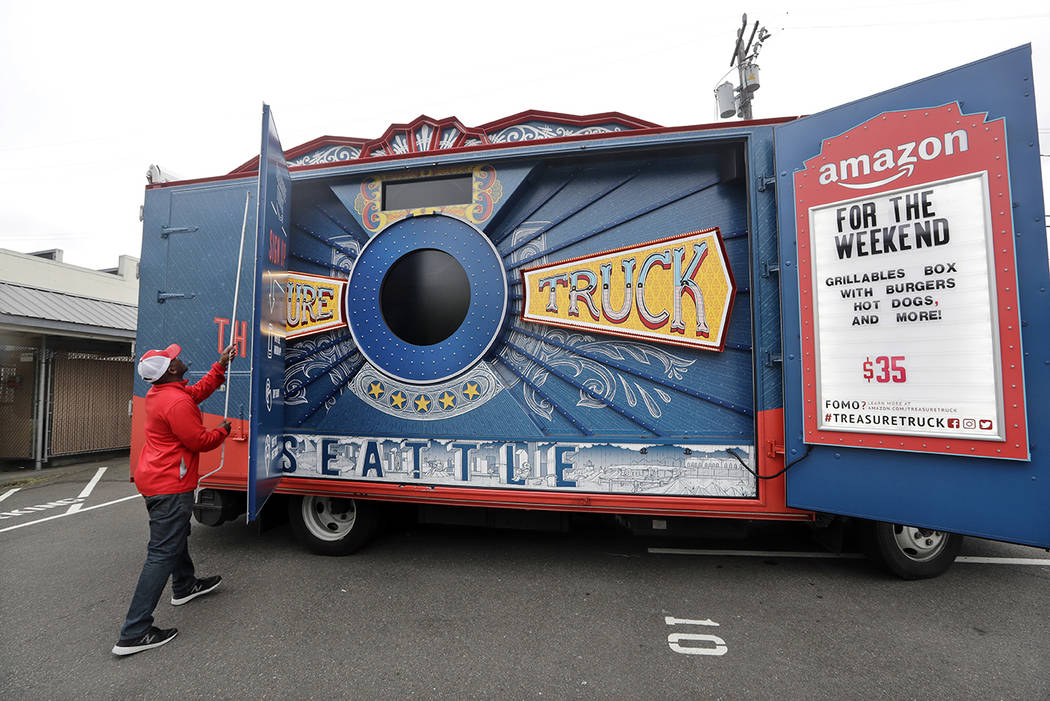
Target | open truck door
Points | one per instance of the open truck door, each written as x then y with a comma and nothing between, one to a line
268,320
916,324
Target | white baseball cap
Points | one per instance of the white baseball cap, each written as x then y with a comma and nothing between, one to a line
155,362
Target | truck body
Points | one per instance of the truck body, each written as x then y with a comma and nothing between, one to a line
776,319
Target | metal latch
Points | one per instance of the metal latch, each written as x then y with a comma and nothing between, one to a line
774,448
772,358
766,182
162,296
165,230
769,268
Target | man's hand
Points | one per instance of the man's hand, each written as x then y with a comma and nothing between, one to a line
227,355
226,425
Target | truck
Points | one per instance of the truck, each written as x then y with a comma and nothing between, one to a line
839,318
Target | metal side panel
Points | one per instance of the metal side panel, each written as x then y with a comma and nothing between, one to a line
266,424
191,236
915,314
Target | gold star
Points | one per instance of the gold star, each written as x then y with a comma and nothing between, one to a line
376,390
422,404
471,390
397,399
448,400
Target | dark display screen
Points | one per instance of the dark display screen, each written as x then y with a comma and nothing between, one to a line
432,192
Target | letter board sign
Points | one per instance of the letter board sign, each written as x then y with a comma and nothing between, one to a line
913,266
911,335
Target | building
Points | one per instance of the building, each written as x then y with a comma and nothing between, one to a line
67,337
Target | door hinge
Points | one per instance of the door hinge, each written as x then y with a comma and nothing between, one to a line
774,448
772,358
162,296
165,230
769,268
767,182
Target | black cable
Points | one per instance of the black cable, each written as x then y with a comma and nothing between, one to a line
769,477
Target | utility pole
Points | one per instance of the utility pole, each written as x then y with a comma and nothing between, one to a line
738,100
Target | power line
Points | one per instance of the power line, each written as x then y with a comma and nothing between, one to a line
908,22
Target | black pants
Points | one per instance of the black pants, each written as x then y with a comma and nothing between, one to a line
168,555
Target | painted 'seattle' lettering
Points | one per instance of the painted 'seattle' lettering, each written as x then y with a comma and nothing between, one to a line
341,458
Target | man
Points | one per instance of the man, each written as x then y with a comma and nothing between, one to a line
166,475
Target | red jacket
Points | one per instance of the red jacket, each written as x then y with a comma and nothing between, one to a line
175,435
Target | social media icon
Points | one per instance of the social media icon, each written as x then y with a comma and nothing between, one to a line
953,423
986,424
969,423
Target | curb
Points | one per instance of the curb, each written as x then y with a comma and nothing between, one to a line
28,477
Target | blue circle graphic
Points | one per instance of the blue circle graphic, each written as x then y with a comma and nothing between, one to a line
438,362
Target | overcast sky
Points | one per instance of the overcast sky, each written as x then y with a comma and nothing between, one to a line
93,93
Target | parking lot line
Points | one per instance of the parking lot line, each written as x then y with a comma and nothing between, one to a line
63,515
970,559
86,492
752,553
8,493
1003,560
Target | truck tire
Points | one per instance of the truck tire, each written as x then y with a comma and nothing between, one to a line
910,552
330,525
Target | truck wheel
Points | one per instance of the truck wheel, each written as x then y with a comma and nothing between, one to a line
332,526
911,552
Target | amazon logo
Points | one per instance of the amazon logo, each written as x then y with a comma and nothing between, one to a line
888,164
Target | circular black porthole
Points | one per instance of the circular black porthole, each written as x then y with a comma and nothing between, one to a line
426,299
425,296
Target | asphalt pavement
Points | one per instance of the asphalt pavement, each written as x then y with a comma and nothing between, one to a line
449,612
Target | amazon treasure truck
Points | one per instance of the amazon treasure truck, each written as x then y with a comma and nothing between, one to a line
842,317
